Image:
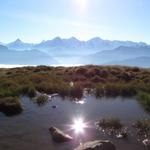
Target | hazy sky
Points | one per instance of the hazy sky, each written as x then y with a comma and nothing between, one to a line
37,20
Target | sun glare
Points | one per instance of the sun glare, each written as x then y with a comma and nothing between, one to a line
82,4
79,125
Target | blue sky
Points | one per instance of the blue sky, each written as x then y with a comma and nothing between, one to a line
37,20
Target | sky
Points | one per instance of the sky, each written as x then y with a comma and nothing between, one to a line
37,20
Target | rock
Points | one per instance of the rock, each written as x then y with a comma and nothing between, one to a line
71,84
146,142
96,145
50,96
123,134
119,136
54,95
54,106
59,136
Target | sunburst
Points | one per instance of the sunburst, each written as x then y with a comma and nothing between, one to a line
79,125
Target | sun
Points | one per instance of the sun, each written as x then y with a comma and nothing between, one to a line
82,4
79,125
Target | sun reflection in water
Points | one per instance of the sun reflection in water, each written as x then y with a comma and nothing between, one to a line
80,101
79,125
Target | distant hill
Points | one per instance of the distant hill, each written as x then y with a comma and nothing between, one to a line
32,57
116,55
139,61
3,48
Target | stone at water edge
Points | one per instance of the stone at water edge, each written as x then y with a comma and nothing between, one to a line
59,136
123,134
96,145
146,142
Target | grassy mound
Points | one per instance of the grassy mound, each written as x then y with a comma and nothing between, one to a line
111,123
41,99
10,105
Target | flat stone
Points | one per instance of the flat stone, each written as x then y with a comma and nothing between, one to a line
59,136
96,145
146,142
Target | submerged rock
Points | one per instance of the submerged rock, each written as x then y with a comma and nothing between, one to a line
59,136
54,106
96,145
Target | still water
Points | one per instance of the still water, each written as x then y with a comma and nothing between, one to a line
29,130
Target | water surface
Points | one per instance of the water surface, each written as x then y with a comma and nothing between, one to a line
29,130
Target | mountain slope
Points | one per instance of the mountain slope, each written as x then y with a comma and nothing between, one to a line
32,57
19,45
118,54
139,61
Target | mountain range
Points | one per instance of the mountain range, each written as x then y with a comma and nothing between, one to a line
73,51
73,43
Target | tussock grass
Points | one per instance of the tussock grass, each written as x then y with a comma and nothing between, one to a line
144,99
106,80
10,105
111,123
41,99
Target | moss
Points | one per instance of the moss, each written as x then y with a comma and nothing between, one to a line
10,105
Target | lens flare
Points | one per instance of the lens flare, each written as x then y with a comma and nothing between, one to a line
79,125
